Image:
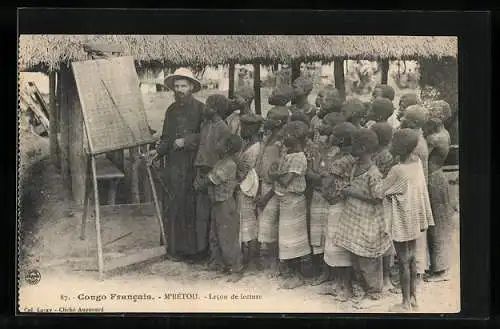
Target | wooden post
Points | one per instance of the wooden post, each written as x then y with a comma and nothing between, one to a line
295,73
256,88
338,72
54,156
295,70
385,71
231,80
65,122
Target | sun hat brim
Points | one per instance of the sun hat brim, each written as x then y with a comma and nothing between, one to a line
169,82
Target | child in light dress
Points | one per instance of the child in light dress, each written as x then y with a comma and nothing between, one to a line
407,212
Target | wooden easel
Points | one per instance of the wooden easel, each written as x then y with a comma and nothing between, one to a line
92,191
126,127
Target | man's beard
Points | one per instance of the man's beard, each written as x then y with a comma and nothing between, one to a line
180,96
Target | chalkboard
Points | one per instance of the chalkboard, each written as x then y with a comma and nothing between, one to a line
112,104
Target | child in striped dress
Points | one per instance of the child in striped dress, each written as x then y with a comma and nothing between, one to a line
267,204
248,188
361,228
289,188
407,211
335,176
318,207
384,161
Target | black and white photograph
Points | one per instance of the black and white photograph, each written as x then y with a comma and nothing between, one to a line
238,173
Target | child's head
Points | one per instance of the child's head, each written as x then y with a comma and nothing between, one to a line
216,105
414,118
384,133
380,110
302,87
404,142
250,125
334,119
364,142
384,91
300,116
230,145
281,95
321,94
354,110
438,112
276,118
247,95
331,102
342,134
406,100
295,134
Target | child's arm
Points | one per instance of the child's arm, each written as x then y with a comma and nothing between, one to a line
286,178
264,199
394,183
313,177
353,193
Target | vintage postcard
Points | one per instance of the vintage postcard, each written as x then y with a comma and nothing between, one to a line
238,173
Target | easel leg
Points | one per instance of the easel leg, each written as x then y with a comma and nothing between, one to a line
97,219
163,239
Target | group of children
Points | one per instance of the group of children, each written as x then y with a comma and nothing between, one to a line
330,194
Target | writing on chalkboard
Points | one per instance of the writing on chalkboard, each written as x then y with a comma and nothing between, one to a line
112,104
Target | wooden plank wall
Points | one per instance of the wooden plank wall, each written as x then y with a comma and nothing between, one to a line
78,143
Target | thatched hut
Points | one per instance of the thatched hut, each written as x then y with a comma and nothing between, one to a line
53,53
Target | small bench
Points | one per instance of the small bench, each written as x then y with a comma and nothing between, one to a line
106,170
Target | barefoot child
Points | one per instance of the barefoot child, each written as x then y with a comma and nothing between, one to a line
213,130
225,229
289,188
439,236
338,166
318,208
384,161
415,118
249,183
407,211
361,228
267,206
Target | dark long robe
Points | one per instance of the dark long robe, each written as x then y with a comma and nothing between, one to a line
182,120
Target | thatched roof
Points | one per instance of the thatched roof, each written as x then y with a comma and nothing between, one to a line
46,52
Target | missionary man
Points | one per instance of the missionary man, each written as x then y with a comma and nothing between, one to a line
179,143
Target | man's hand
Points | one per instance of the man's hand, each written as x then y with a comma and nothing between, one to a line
179,143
